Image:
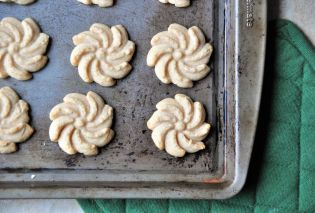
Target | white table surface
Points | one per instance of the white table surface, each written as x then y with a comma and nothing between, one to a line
301,12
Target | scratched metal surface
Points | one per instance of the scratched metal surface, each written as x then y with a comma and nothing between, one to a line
130,167
133,98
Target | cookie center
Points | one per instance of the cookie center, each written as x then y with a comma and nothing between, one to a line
101,54
180,126
177,55
13,48
79,123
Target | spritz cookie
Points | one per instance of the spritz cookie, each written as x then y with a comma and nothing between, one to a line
19,1
82,123
100,3
102,54
22,48
180,55
177,3
179,126
14,118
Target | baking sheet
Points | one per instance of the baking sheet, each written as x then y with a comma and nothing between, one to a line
133,98
131,167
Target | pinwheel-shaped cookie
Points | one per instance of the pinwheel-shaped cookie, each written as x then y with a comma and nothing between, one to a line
22,46
19,1
101,3
14,127
177,3
102,54
179,126
81,123
180,56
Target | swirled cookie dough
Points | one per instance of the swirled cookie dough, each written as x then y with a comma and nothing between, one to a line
102,54
22,48
19,1
177,3
14,127
81,123
178,125
180,55
101,3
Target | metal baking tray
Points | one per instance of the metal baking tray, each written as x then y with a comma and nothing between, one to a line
131,166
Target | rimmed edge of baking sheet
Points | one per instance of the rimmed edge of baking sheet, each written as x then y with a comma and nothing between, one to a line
244,61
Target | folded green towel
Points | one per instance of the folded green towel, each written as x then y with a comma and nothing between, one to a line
282,172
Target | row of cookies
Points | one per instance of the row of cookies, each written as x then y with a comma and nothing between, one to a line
82,124
102,54
106,3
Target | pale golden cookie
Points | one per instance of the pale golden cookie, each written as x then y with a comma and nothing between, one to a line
102,54
180,55
81,123
179,126
101,3
19,1
14,118
177,3
22,48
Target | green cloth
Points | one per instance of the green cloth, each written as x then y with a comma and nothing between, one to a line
282,173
